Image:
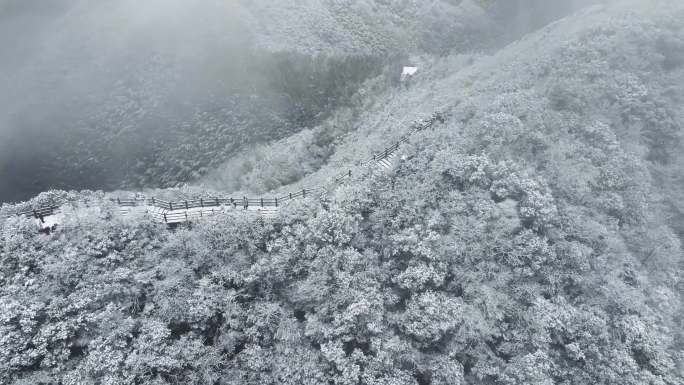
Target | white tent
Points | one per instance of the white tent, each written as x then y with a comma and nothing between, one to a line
408,72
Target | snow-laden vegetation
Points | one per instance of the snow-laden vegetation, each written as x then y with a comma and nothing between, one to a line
533,238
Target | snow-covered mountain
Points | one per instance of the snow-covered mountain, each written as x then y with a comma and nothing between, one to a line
533,235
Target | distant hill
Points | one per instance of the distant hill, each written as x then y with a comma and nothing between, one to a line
314,26
436,27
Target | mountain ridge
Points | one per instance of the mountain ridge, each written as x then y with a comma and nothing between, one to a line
531,239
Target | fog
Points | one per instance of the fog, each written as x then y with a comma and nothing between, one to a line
69,63
77,76
71,50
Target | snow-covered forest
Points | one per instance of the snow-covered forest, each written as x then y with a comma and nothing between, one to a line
531,235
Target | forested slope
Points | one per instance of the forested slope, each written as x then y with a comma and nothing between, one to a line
438,27
533,238
127,95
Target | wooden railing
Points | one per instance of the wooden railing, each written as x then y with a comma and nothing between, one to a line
40,213
174,207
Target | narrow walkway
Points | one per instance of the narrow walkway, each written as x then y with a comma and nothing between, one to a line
173,213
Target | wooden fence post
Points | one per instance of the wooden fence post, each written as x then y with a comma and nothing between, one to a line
118,200
303,193
186,205
217,201
290,196
262,202
276,202
350,173
153,202
165,220
245,202
171,206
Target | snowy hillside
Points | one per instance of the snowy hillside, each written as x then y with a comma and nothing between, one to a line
531,235
437,27
368,26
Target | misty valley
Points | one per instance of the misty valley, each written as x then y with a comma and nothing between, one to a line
128,138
